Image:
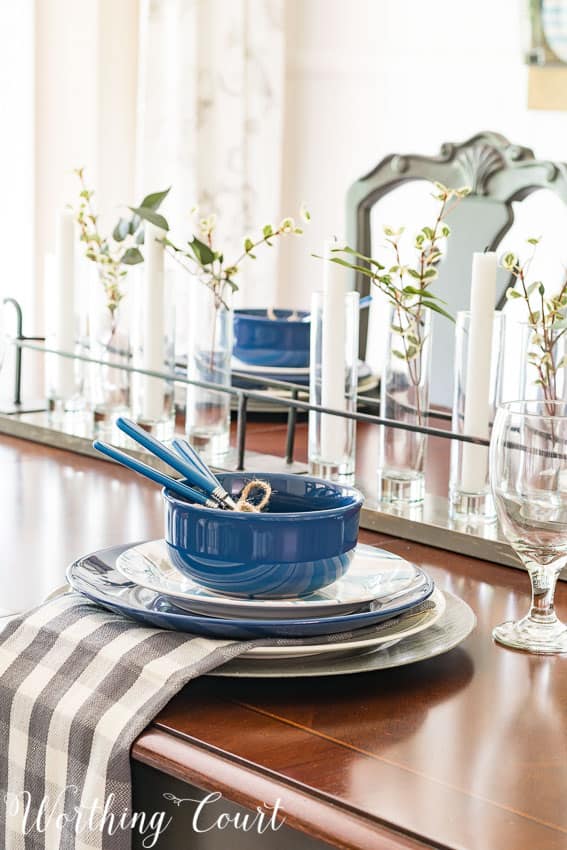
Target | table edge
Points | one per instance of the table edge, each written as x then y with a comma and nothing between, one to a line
252,786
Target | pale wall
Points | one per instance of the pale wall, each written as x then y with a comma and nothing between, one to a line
369,77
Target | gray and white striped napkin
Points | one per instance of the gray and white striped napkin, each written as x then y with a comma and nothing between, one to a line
78,684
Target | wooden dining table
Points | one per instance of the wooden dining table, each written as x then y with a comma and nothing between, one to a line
466,751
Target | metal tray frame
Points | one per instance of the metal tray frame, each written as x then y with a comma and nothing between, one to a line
429,523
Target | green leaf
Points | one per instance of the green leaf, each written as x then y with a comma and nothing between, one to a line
121,230
202,252
430,274
147,214
437,309
362,269
399,354
267,231
509,261
533,241
428,232
360,256
155,199
411,290
132,257
513,293
562,363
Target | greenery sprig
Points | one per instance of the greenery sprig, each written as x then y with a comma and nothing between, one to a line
546,316
111,254
203,259
407,285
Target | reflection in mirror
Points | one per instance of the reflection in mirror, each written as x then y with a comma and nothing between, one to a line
542,215
410,205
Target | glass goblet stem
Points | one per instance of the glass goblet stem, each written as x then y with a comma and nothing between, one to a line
543,580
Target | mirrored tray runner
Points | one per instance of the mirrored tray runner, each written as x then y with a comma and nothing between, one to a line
429,523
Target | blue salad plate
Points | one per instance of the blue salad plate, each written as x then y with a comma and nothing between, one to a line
96,577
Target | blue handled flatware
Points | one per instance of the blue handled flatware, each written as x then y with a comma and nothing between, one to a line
154,475
195,476
186,451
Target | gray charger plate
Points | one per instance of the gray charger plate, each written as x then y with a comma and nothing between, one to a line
455,624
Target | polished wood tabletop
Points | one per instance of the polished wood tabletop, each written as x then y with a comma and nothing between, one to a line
465,751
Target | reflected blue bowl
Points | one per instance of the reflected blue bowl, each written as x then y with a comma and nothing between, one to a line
303,541
260,341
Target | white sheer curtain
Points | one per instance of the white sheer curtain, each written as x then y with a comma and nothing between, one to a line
211,119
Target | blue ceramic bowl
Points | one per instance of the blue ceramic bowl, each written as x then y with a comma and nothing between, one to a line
302,541
260,341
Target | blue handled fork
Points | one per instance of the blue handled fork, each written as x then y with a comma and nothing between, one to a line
154,475
195,476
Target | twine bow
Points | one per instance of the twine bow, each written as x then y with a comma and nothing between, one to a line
244,503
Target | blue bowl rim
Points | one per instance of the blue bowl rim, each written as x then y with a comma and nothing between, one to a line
170,497
245,314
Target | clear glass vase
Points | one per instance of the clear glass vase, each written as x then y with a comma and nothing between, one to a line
534,384
209,360
476,396
108,340
404,397
153,349
64,377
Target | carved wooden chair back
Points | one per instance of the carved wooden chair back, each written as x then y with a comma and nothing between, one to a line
498,173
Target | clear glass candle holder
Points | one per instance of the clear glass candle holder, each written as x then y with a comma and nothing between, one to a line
333,383
209,360
153,348
404,397
108,341
477,393
64,377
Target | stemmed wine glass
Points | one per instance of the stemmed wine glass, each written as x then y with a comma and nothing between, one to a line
528,475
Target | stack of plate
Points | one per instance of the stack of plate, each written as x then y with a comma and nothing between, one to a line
359,614
298,375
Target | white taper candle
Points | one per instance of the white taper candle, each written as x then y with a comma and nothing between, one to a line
333,365
479,355
64,304
153,322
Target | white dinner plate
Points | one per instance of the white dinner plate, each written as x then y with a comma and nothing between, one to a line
453,627
373,576
386,635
